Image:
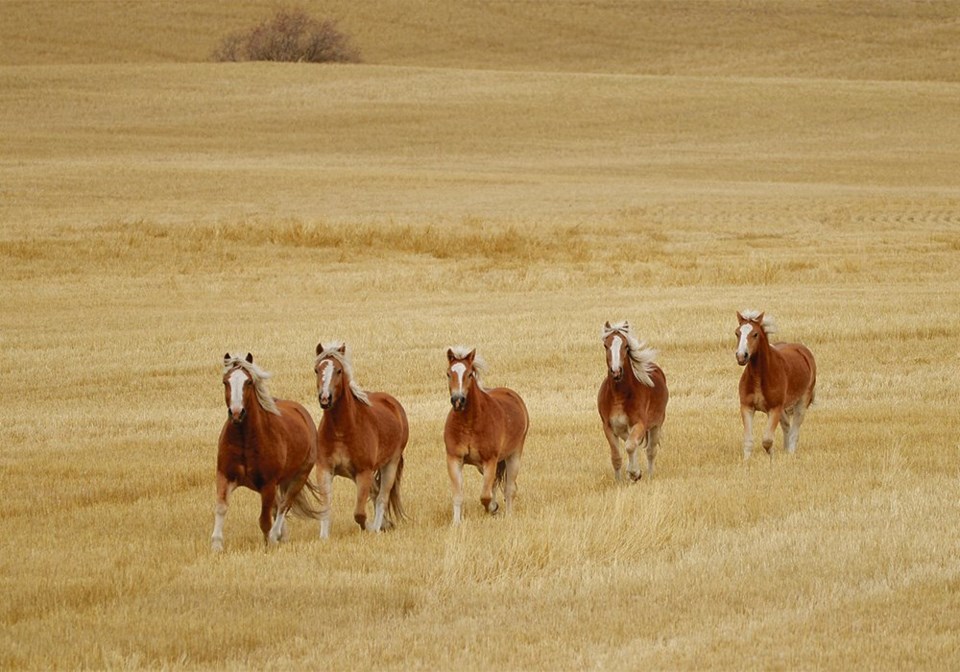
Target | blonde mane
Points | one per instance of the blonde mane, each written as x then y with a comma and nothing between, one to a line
479,363
333,350
259,378
768,324
641,357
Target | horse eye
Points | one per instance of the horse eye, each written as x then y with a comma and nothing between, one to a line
753,335
339,370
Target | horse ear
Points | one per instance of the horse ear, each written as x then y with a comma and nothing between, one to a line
342,349
759,319
250,358
606,325
450,355
626,325
319,347
741,318
471,355
226,357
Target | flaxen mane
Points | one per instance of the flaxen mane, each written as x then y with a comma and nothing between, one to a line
769,325
259,378
641,357
333,350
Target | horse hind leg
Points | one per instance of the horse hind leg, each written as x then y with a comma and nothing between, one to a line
268,503
512,468
792,437
388,475
653,444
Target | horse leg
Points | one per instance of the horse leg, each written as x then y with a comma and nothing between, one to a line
795,423
616,459
325,489
388,474
455,471
653,443
510,481
224,488
746,413
637,436
773,419
268,501
489,478
364,483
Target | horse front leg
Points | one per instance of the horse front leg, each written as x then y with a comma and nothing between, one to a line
325,491
268,501
746,414
489,478
364,483
224,488
637,436
455,471
616,459
653,443
773,419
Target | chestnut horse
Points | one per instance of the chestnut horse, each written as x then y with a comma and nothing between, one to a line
632,404
778,380
485,428
361,437
268,445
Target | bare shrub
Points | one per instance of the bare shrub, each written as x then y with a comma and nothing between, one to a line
291,35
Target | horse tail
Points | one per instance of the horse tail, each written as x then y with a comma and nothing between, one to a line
394,505
307,502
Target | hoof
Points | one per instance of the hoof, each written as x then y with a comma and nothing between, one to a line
635,476
217,546
493,507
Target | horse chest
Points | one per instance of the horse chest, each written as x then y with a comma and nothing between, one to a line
759,401
620,423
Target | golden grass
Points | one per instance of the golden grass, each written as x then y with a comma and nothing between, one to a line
155,215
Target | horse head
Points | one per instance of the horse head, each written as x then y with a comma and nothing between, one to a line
329,370
462,372
615,343
751,334
237,384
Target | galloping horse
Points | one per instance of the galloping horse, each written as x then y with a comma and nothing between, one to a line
485,428
632,405
778,380
361,436
268,445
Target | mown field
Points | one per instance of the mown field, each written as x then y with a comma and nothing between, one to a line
508,176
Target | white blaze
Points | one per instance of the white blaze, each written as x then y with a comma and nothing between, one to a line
459,368
615,346
236,380
745,330
327,371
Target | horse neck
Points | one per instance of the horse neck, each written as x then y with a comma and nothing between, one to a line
257,418
628,382
762,361
346,407
476,402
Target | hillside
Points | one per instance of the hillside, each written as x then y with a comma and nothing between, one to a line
888,40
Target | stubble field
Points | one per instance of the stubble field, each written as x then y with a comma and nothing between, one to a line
158,211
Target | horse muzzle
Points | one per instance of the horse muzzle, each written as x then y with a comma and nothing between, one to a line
235,417
616,375
325,401
743,358
458,401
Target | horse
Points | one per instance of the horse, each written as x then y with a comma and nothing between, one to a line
778,380
632,405
361,436
268,445
485,428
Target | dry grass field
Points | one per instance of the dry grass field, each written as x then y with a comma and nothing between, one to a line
507,175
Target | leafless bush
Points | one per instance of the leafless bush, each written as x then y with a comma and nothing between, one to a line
290,35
